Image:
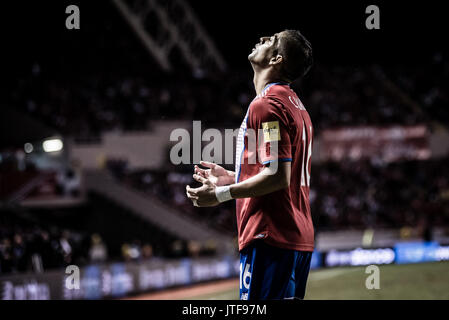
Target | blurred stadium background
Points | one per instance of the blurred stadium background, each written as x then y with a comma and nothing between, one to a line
86,116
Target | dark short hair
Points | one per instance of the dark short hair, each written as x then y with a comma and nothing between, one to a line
296,51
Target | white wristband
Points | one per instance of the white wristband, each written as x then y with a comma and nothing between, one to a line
223,193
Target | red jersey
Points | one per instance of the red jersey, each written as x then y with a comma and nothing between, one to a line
282,218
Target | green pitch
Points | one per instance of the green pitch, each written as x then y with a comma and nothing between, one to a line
414,281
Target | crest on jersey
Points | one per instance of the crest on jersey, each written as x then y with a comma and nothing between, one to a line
271,131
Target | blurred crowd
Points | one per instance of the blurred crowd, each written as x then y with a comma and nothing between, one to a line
427,83
353,96
109,103
333,95
30,246
366,194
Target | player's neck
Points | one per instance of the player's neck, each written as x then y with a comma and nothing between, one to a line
261,79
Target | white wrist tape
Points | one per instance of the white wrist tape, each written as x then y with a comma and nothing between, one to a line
223,193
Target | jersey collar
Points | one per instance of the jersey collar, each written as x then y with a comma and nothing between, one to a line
272,84
264,91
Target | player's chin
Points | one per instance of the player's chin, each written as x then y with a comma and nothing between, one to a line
252,55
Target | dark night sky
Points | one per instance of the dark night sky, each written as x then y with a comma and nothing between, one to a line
409,31
336,29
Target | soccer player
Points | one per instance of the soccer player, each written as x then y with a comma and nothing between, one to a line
275,230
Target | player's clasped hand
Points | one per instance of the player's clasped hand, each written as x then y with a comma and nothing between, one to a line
212,177
203,196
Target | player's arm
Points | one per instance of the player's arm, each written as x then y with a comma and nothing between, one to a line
270,179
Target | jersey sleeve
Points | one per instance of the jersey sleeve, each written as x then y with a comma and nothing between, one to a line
270,122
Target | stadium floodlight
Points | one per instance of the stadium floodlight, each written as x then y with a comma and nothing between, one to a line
28,147
52,145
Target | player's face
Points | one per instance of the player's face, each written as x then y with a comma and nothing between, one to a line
263,50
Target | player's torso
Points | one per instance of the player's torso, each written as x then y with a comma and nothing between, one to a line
293,203
300,131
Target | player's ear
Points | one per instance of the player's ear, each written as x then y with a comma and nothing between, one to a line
278,59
